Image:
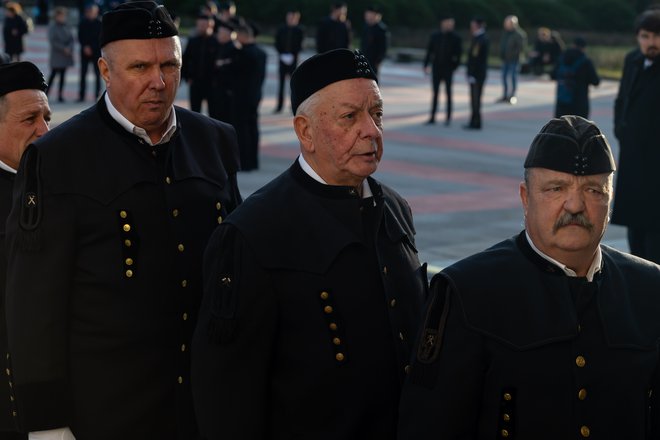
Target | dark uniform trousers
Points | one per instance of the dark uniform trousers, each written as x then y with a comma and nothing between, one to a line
305,327
105,251
526,352
7,406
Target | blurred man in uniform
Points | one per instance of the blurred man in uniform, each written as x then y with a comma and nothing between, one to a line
24,117
636,124
222,78
313,286
89,30
550,334
477,68
288,42
249,72
334,31
375,37
444,56
198,62
112,211
574,73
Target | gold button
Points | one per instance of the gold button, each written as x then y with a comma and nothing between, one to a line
582,394
401,336
175,213
507,397
580,361
339,356
167,179
325,295
505,433
384,270
219,219
218,206
333,326
327,309
129,273
13,413
127,227
579,328
407,369
8,371
336,341
129,261
392,302
184,283
506,417
11,398
185,316
585,431
183,347
123,214
11,385
180,379
180,247
127,243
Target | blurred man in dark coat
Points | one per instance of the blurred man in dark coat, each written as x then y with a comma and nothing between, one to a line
574,73
249,75
550,334
288,42
375,37
222,78
477,68
444,55
334,31
89,30
14,29
636,124
112,210
24,117
198,62
313,286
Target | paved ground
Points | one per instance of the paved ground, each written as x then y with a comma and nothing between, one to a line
462,185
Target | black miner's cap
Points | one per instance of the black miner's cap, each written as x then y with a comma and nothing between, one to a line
136,20
20,76
571,144
326,68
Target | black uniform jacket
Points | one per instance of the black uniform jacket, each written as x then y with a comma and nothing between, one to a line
444,52
477,61
637,126
105,244
7,408
374,43
530,353
309,309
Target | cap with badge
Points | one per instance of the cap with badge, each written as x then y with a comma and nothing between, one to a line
571,144
136,20
21,76
326,68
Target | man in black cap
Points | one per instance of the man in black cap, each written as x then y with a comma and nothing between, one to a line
112,211
550,334
334,30
198,62
375,37
313,287
477,69
288,42
636,124
24,117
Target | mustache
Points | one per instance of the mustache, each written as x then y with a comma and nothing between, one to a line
572,219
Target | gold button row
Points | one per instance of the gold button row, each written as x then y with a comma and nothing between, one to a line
580,361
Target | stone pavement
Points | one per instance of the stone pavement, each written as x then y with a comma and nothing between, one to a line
462,185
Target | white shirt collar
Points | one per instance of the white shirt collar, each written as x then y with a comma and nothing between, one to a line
6,167
366,190
595,264
138,131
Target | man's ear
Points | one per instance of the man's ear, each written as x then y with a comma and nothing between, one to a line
104,69
304,130
522,190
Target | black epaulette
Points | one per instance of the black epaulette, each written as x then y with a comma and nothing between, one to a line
30,197
425,367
